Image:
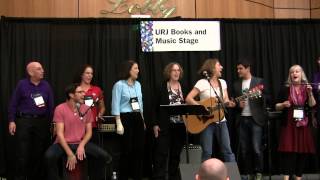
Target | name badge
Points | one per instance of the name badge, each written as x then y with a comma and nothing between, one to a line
38,100
135,104
298,114
88,100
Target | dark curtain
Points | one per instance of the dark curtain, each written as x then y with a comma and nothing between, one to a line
62,45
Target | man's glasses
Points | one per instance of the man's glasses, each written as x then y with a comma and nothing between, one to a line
80,92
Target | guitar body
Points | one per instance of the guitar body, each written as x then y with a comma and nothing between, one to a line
197,123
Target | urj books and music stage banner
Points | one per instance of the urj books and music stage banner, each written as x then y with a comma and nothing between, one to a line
180,36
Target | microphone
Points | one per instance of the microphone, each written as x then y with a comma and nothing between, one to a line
87,110
78,109
78,106
205,74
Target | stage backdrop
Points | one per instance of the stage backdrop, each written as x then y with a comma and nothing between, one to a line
62,45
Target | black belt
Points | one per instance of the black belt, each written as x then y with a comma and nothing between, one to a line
30,116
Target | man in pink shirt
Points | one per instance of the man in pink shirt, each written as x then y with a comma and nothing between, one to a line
74,130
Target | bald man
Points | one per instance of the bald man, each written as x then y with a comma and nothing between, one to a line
212,169
30,113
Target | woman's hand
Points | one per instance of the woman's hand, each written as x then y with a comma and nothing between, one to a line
309,89
156,130
286,104
120,129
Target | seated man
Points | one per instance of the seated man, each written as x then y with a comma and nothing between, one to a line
212,169
73,127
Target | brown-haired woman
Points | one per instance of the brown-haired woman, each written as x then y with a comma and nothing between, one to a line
169,131
205,88
127,106
93,96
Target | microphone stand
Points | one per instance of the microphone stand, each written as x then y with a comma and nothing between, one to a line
86,111
220,102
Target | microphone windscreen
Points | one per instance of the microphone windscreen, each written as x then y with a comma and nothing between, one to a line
78,105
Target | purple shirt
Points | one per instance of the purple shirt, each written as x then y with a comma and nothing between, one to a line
22,99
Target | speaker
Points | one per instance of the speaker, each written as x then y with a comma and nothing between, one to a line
233,170
194,154
188,171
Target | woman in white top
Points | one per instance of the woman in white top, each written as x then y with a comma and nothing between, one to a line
211,86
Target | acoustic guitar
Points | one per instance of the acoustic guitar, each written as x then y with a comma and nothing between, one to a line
197,123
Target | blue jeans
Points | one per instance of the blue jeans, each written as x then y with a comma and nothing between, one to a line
250,139
221,133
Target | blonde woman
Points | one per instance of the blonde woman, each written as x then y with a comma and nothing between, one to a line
296,141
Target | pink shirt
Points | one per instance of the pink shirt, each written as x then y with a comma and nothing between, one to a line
74,127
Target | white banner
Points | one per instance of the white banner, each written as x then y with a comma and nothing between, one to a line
180,36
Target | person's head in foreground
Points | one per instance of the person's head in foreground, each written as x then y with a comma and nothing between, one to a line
212,169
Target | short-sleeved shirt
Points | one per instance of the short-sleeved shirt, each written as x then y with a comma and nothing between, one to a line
97,95
22,100
122,92
74,125
206,91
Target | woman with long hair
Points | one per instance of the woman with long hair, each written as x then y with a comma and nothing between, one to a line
127,106
296,141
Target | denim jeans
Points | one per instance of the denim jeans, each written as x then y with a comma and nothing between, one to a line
219,132
250,139
94,152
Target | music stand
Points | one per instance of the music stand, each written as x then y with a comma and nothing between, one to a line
184,109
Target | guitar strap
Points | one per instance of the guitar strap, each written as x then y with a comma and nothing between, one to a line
220,87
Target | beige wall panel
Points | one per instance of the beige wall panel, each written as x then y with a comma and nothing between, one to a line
315,4
42,8
92,8
304,12
292,4
315,14
186,8
265,2
291,13
64,8
3,7
233,9
254,10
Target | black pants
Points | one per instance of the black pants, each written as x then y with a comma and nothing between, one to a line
250,144
32,138
132,146
93,152
293,163
93,168
168,148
